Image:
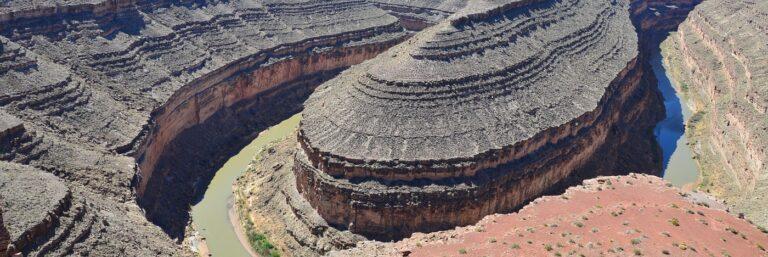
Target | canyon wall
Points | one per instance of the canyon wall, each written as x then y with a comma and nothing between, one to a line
105,92
717,59
425,143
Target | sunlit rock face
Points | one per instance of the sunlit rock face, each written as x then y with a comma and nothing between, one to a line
717,59
117,98
477,115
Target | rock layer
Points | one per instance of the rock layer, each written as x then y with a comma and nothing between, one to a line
111,92
416,140
717,59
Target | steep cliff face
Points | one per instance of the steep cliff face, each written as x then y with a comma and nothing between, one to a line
717,59
112,95
426,143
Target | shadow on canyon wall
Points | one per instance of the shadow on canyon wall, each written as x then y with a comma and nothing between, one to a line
187,167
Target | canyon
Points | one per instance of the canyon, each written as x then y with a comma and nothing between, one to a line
115,114
718,59
425,144
111,96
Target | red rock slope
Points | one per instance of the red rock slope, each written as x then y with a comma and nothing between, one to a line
607,216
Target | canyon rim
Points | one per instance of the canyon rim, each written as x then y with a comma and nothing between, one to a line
418,117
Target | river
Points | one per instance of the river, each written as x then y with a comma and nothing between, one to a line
211,219
679,167
210,215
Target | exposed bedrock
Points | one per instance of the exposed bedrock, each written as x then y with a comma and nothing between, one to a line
718,59
416,140
655,18
418,15
108,91
185,165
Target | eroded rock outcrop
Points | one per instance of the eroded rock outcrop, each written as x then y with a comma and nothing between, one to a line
635,215
478,115
112,95
717,59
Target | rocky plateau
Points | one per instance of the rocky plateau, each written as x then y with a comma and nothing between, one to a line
418,116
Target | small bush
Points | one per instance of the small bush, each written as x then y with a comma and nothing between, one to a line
548,247
636,241
578,224
515,246
462,251
665,252
638,252
674,222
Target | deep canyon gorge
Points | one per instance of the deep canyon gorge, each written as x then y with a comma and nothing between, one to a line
117,113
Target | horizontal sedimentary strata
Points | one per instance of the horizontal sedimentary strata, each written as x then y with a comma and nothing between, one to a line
418,15
386,209
473,116
32,201
104,87
719,60
266,195
419,107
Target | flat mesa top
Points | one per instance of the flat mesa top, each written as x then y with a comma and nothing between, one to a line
482,80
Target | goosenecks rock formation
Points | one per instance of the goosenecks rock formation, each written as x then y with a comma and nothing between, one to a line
718,59
115,98
481,113
118,98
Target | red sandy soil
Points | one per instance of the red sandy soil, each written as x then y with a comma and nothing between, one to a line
634,215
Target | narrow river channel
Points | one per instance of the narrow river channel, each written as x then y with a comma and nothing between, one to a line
210,215
679,167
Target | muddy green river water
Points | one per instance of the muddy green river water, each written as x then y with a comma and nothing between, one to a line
210,216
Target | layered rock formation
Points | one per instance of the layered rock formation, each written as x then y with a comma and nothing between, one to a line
477,115
418,15
111,96
717,59
632,215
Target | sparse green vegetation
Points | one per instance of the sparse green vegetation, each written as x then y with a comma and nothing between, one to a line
636,241
259,242
515,246
638,252
462,251
548,247
578,224
674,222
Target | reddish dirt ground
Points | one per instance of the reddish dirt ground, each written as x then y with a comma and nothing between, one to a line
634,215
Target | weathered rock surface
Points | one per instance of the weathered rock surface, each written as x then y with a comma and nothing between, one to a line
477,115
719,59
266,195
611,216
110,96
32,201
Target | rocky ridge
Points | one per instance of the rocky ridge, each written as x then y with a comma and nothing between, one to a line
103,94
418,127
